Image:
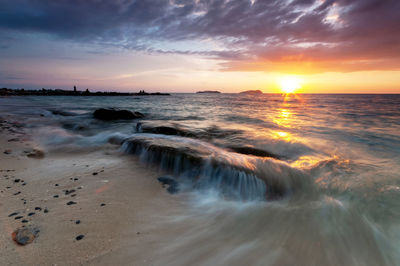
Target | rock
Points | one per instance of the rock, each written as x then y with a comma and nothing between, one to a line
12,214
55,196
35,153
7,152
103,204
95,173
253,151
16,193
67,192
116,114
77,221
173,185
24,221
24,236
18,217
17,180
80,237
38,209
46,210
31,213
71,202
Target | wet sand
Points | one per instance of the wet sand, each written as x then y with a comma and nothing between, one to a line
115,203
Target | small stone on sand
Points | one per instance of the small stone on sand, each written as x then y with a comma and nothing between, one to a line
80,237
71,202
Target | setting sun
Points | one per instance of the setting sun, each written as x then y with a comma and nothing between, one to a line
289,84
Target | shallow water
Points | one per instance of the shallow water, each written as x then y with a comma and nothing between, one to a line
332,197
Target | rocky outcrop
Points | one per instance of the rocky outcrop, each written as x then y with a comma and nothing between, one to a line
116,114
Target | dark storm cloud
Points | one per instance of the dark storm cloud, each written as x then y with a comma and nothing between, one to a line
339,35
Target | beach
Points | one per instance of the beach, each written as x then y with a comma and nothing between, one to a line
119,231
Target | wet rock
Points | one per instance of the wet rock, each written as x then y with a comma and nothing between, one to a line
62,113
173,185
36,154
80,237
67,192
55,196
31,213
95,173
24,236
71,202
17,193
38,209
77,221
253,151
116,114
17,180
103,204
56,185
18,217
13,214
24,221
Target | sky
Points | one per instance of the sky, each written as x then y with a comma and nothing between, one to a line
330,46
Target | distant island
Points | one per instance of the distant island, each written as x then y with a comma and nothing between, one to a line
75,92
208,92
251,92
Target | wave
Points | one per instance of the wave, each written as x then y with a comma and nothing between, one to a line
202,166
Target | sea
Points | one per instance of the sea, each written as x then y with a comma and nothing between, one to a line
270,179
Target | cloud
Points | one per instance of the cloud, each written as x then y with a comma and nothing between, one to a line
258,35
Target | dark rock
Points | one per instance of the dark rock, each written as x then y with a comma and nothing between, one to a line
17,193
26,235
75,179
56,185
67,192
7,152
35,153
55,196
31,213
17,180
80,237
103,204
173,185
71,202
38,209
95,173
115,114
13,214
18,217
46,210
77,221
24,221
253,151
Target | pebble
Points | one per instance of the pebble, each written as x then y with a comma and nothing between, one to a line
55,196
24,221
80,237
38,209
23,236
71,202
18,217
46,210
78,221
103,204
13,214
95,173
31,213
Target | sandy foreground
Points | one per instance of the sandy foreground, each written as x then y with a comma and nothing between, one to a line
119,204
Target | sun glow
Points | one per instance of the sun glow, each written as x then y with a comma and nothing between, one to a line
289,84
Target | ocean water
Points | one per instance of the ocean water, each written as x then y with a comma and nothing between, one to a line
270,179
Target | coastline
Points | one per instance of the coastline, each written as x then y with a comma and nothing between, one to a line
120,231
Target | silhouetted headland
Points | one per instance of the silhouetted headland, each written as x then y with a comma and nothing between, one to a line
208,92
75,92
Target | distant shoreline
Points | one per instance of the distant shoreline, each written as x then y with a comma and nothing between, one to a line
44,92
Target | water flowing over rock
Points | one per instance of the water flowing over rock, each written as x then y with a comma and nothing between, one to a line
201,166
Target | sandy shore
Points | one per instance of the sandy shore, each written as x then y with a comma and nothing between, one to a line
116,203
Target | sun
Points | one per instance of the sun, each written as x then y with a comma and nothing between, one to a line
289,84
